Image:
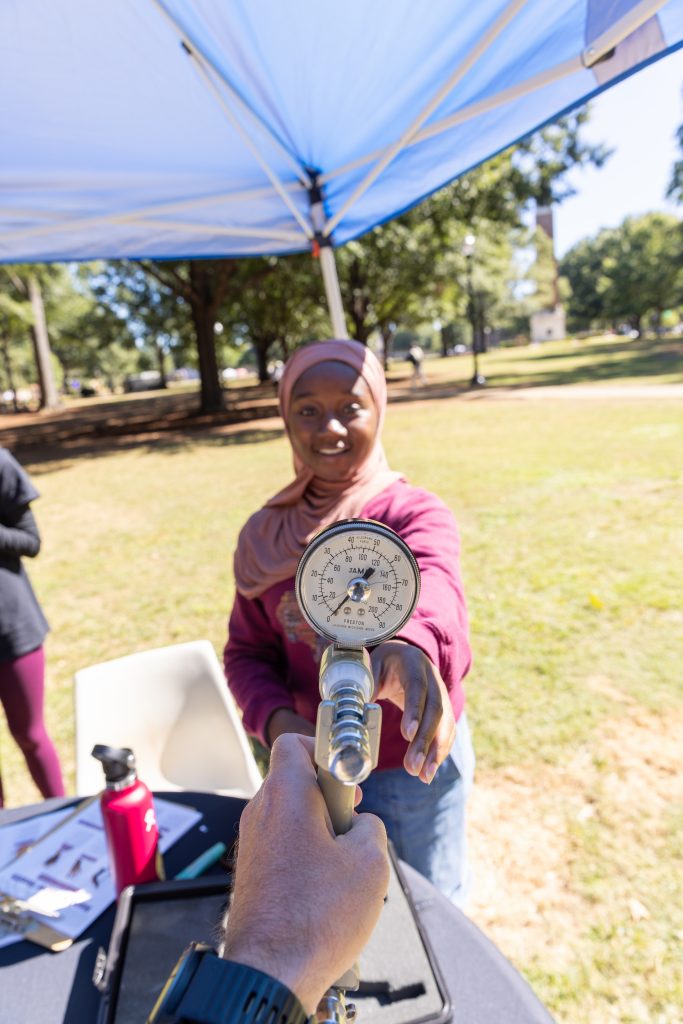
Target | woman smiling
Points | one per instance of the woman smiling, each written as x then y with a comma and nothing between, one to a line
333,401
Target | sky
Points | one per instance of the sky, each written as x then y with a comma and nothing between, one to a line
638,120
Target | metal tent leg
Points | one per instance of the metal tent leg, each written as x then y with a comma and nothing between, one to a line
332,292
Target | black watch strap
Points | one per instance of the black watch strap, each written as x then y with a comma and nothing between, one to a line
224,992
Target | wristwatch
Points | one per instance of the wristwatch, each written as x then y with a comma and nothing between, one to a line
205,989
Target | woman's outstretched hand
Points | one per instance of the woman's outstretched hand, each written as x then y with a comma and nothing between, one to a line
405,676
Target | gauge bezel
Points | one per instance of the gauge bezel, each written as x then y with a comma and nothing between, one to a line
365,526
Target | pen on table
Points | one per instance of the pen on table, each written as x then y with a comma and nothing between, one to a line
202,863
78,809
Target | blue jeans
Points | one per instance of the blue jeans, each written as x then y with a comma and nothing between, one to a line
426,824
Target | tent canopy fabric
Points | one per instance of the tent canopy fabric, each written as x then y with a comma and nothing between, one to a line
196,128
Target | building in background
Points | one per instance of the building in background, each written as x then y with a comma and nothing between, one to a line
549,324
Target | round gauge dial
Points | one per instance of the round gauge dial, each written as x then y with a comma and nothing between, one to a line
357,583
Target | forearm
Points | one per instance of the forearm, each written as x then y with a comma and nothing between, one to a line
255,668
21,538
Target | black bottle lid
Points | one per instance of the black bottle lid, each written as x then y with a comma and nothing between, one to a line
118,762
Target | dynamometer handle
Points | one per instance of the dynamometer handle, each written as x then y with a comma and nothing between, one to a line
339,797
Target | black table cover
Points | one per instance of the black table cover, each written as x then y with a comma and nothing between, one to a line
56,988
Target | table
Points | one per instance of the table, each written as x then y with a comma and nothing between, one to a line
56,988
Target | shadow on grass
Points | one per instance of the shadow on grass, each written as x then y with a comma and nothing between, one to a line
170,421
635,361
639,361
47,457
161,422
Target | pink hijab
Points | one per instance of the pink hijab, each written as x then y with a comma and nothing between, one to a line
273,539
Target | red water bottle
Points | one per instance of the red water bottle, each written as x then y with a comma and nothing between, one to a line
129,820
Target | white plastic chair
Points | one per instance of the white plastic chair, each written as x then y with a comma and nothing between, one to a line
172,707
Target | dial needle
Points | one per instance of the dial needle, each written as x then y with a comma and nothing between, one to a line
366,576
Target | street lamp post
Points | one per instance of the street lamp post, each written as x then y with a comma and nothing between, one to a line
478,379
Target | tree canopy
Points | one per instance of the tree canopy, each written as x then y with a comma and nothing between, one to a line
626,274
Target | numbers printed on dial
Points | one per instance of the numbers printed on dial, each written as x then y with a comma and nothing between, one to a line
357,585
333,579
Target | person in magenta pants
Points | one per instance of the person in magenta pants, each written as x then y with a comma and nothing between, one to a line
22,630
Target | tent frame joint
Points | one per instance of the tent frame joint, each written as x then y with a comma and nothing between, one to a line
315,197
322,249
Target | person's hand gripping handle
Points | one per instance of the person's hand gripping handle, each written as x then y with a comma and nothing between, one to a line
341,798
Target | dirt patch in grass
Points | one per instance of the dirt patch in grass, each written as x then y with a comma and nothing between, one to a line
528,829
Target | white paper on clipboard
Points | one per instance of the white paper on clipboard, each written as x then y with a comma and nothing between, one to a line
65,879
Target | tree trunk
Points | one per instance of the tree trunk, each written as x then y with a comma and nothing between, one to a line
356,303
49,399
482,345
261,348
161,357
9,374
388,332
65,375
446,339
204,319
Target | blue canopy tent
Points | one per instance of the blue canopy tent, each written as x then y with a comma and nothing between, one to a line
196,128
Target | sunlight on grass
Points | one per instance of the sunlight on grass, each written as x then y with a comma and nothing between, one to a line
608,360
570,514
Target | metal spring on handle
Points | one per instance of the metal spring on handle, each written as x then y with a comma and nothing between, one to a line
349,742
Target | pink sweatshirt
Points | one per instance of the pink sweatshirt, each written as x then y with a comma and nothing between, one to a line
272,656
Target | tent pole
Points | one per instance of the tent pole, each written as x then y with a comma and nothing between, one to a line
322,247
328,266
620,30
555,74
636,17
502,21
140,218
192,48
248,141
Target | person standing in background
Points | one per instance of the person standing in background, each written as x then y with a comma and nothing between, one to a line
416,357
22,630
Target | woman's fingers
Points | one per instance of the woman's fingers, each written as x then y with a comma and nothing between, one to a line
444,739
414,701
405,676
432,712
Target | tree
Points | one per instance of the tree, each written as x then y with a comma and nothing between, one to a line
80,330
412,267
583,267
283,306
181,302
675,189
15,317
171,303
400,272
24,284
626,273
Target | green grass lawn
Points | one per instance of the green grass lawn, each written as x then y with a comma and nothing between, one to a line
571,515
601,360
